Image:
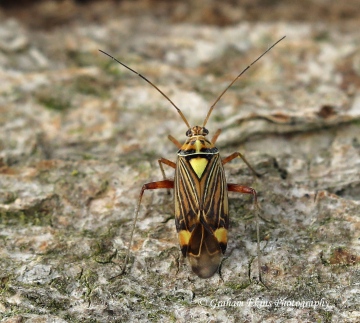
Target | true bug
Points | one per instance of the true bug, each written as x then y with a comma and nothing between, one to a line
200,191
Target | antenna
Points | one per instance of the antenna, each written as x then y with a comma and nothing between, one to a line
152,84
223,92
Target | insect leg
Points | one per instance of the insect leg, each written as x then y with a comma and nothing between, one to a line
174,141
237,154
165,161
148,186
248,190
215,137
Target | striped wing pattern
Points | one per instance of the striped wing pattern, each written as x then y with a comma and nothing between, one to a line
207,194
201,208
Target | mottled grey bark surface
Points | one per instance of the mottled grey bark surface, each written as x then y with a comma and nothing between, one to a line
80,135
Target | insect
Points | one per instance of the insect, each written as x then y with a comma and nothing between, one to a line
200,191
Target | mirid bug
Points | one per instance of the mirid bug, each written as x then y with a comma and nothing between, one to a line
200,191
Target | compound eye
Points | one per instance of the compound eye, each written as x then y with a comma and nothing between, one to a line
205,131
189,133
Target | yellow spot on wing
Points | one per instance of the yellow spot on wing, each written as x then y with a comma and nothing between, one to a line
184,237
221,235
198,164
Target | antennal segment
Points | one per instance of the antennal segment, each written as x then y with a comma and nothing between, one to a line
152,84
223,92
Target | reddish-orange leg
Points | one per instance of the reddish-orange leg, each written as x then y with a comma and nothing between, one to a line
246,190
169,184
166,183
165,161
